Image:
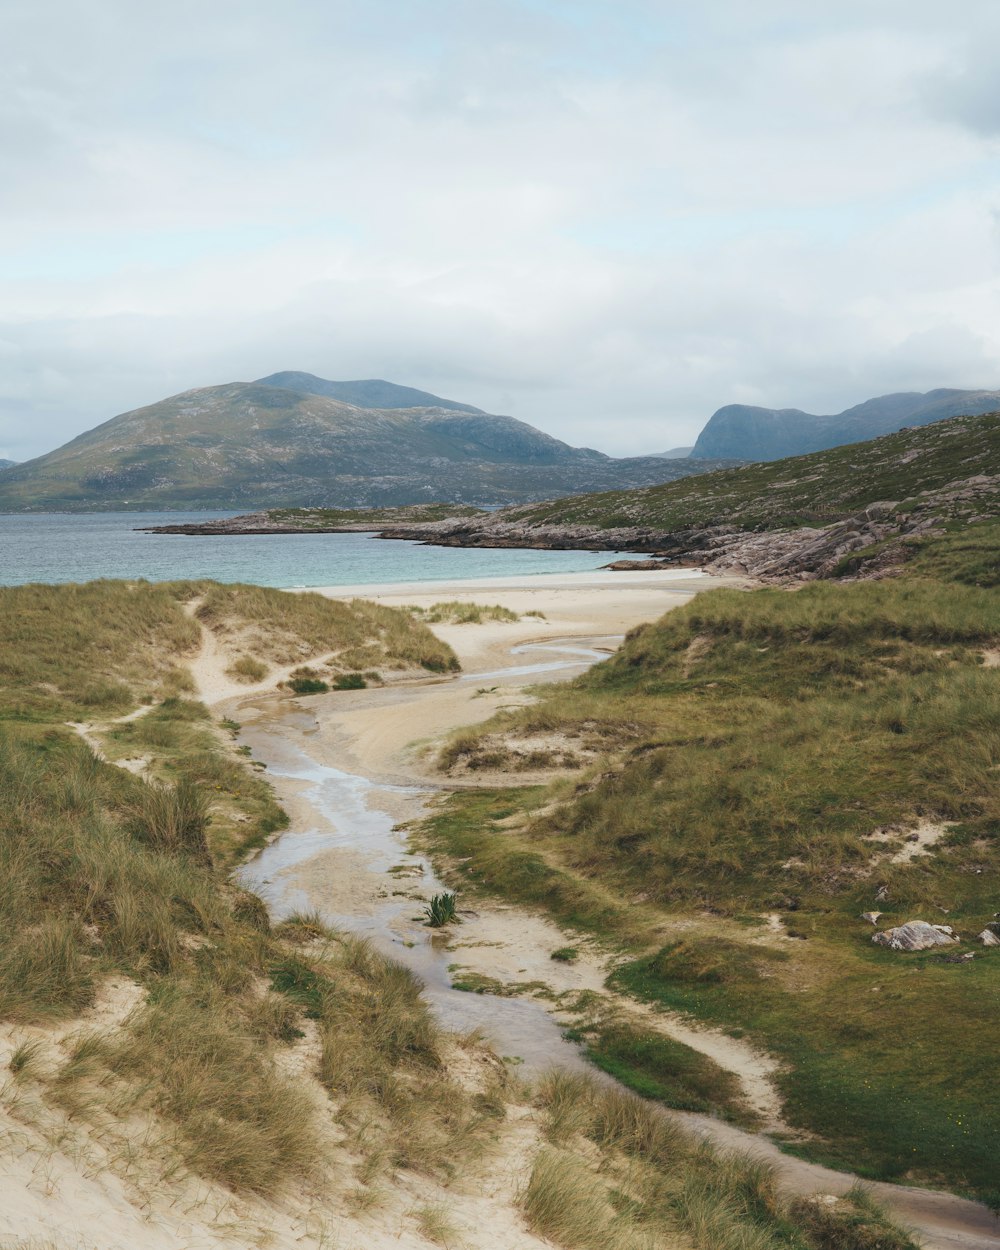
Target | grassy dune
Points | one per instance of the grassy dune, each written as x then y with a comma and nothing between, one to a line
105,873
285,628
655,1186
753,745
263,1058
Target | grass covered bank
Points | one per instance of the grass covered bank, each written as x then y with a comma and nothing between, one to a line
772,765
154,1025
118,876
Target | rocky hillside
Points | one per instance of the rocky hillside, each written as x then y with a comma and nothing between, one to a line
260,445
746,433
851,508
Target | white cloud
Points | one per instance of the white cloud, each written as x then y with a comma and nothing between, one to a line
608,221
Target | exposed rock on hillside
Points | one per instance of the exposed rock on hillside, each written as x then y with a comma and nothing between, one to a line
915,935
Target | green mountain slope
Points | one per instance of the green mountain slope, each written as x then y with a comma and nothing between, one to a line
742,432
256,445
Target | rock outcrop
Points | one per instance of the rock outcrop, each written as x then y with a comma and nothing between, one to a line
916,935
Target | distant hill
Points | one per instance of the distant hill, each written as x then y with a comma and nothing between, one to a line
746,433
373,393
7,464
254,444
675,453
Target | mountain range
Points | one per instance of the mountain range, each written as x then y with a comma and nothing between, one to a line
295,439
741,432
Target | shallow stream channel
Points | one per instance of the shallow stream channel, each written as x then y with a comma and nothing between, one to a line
346,856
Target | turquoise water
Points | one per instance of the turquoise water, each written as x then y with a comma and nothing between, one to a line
60,547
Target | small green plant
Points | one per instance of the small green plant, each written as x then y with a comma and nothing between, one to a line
308,685
566,955
442,910
350,681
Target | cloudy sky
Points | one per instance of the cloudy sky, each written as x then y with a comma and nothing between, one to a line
607,219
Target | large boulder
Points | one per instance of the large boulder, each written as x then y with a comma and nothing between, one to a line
915,935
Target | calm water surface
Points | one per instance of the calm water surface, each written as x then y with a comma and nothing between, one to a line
60,547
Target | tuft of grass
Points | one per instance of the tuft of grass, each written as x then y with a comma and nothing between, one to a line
238,1122
26,1059
457,612
562,1203
248,668
854,1222
442,910
303,684
174,818
435,1223
565,955
350,681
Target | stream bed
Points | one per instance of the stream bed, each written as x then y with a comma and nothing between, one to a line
350,861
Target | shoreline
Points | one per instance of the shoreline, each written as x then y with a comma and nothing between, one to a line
593,580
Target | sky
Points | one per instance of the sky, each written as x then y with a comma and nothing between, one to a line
606,219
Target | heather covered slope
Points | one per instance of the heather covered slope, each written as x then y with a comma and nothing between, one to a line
257,445
749,433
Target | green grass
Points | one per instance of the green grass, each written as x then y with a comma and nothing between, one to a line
89,651
752,744
651,1184
659,1068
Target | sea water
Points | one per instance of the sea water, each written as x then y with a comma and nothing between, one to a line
78,547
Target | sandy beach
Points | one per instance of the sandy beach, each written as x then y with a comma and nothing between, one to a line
567,621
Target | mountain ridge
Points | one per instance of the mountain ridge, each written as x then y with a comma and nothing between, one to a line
254,444
745,432
367,393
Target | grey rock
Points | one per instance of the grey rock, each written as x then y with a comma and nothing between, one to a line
871,916
915,935
989,938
